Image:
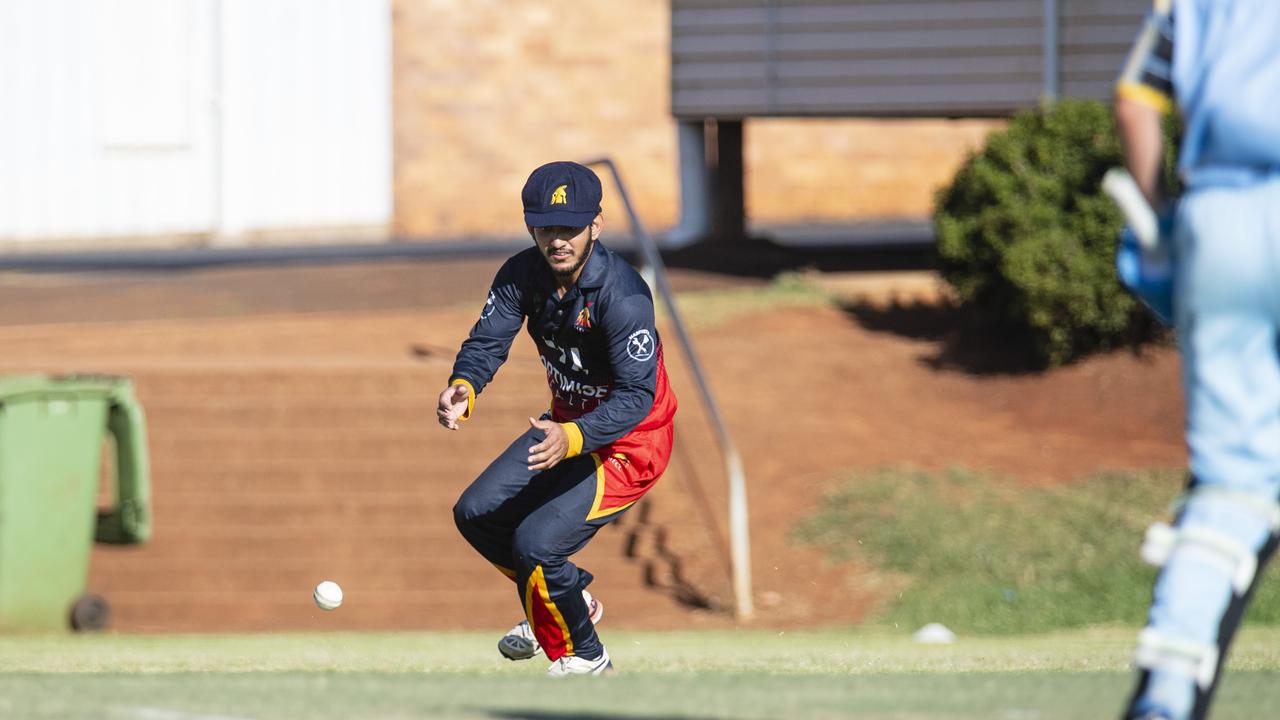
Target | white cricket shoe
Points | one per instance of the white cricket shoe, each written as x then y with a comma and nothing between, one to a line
574,665
520,644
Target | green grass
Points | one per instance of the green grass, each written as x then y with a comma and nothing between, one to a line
986,554
746,674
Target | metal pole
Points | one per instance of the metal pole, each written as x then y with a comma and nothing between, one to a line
739,535
1050,71
695,184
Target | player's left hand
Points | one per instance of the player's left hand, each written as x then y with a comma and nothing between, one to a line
555,444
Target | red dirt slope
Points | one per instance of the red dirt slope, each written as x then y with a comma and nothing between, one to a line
293,439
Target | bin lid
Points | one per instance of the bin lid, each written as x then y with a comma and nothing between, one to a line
17,387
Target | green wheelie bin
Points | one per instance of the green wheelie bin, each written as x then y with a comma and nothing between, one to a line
52,431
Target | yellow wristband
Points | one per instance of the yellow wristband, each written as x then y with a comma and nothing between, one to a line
575,439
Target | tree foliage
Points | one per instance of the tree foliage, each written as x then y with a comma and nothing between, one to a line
1026,237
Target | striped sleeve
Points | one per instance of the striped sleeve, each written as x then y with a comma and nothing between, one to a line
1147,74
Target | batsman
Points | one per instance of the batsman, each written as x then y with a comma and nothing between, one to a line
606,438
1218,62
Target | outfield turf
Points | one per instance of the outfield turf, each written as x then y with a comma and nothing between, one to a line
749,674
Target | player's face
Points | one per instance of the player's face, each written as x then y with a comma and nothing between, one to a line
566,249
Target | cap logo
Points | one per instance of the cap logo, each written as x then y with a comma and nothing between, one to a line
560,195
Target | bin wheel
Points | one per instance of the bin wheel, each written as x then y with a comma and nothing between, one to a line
90,613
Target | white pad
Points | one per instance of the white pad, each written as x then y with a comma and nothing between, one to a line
1232,556
1157,652
1268,510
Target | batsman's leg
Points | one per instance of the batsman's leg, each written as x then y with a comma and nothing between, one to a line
1211,559
1227,315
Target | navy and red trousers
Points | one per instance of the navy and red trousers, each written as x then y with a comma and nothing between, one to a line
528,524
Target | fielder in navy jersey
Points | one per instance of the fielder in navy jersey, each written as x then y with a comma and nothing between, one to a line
607,437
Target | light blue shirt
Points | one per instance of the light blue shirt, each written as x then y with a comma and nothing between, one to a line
1220,61
1226,80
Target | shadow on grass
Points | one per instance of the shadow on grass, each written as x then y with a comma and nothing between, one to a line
963,341
764,260
544,715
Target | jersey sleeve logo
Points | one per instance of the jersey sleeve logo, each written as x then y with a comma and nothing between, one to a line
489,307
640,345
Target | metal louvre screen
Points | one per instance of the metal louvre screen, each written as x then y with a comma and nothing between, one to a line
736,58
1095,35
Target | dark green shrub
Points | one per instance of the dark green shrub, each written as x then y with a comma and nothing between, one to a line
1027,238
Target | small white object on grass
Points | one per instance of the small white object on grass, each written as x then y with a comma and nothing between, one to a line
328,595
934,634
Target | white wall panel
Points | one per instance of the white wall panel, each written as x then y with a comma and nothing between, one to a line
151,65
104,132
145,71
193,117
307,113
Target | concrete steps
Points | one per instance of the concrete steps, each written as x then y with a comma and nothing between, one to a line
266,481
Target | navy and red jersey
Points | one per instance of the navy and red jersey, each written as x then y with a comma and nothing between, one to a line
598,343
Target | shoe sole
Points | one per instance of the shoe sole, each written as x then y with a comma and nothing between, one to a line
595,611
606,670
515,654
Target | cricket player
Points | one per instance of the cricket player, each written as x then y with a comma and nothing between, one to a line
1219,60
604,442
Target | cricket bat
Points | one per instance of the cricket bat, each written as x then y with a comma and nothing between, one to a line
1119,185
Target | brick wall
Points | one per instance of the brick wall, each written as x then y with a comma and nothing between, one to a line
841,169
484,91
487,90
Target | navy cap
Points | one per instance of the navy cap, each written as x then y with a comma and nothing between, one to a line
561,193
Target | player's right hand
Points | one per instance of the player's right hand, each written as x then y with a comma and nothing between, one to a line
1147,274
452,405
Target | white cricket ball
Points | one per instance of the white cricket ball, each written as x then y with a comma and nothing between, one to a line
328,595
